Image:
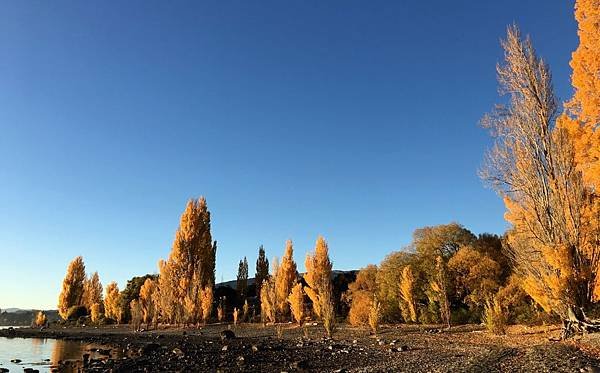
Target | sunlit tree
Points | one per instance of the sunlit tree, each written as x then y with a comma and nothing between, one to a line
407,294
284,279
92,291
296,301
147,301
72,287
318,273
112,302
533,166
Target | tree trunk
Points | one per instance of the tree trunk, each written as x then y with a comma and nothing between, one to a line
578,323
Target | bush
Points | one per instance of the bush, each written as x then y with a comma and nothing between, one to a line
360,308
494,317
75,312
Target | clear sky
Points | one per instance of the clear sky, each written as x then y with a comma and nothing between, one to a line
355,120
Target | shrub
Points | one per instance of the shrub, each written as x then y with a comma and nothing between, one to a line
494,317
327,310
220,312
360,309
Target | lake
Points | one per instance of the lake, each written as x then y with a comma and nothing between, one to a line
41,354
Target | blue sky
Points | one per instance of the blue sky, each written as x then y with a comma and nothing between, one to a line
355,120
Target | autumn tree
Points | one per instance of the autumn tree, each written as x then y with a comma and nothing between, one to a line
389,275
318,274
190,266
112,302
285,278
92,291
72,287
96,312
360,295
40,319
147,301
407,294
136,314
242,278
476,277
439,286
533,167
262,270
296,301
207,303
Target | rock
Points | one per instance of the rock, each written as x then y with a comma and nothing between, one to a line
30,370
149,348
227,334
15,361
403,348
224,348
4,370
300,364
177,351
254,348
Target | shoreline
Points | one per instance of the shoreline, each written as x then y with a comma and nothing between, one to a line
256,348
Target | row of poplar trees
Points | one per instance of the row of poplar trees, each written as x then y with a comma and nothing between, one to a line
181,294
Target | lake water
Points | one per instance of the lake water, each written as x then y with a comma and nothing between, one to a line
39,353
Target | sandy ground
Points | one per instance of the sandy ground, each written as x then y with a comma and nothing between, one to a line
396,348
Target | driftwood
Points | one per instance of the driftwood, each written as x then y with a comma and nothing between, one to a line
578,323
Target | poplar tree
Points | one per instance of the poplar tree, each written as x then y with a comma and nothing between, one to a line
72,287
112,302
318,274
284,280
262,270
190,266
92,291
242,278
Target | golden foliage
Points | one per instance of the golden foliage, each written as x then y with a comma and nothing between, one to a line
72,287
407,294
136,314
112,302
40,319
148,302
262,270
284,278
207,303
95,312
375,315
439,286
494,317
585,62
246,309
318,273
267,301
534,167
190,266
476,276
92,291
220,312
360,295
236,312
296,301
327,309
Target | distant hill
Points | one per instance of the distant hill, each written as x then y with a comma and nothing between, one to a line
19,317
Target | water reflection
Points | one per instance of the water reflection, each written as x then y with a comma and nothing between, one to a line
42,354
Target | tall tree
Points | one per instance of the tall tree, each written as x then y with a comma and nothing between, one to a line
72,287
191,264
262,270
318,273
92,291
112,302
407,294
284,280
533,167
242,278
